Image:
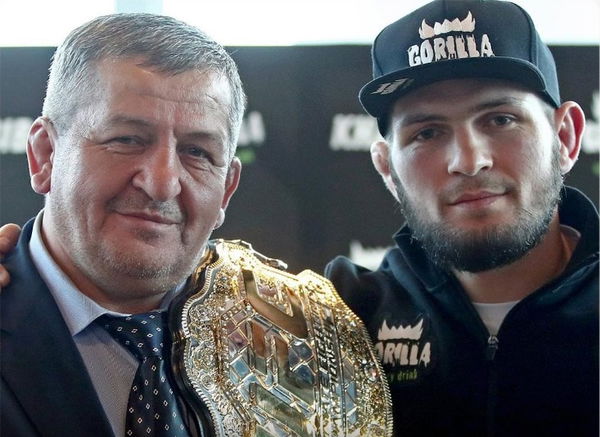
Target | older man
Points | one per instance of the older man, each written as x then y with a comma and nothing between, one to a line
485,315
134,153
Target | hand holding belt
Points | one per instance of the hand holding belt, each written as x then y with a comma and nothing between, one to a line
266,353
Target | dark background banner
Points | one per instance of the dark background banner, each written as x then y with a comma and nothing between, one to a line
308,190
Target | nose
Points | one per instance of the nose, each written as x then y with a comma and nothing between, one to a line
470,153
159,173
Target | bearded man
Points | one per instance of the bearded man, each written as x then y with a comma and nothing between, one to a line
485,315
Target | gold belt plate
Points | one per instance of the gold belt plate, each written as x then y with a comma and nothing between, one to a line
270,354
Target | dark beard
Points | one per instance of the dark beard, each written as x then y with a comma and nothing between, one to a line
450,248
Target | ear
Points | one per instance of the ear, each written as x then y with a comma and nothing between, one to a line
380,155
231,183
569,122
41,142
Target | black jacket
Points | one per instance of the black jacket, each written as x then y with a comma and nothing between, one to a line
449,377
45,389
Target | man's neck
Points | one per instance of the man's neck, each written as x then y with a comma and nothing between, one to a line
517,280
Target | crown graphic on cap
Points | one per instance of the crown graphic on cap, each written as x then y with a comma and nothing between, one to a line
456,25
449,39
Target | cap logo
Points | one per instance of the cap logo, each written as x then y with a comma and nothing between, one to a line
390,87
466,25
451,39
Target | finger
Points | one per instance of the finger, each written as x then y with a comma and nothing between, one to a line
4,277
9,234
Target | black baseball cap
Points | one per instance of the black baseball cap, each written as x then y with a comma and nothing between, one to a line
448,39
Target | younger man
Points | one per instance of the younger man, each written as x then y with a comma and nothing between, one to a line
485,315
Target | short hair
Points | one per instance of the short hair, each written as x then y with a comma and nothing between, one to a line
164,43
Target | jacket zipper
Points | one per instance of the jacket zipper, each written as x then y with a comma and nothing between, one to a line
491,349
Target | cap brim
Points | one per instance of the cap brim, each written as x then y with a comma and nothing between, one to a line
377,98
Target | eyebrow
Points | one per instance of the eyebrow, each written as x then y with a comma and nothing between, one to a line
127,120
204,135
418,117
120,119
501,101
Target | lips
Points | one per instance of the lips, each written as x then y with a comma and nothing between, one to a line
473,198
469,197
151,217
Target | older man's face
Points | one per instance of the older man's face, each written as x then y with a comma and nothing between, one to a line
140,179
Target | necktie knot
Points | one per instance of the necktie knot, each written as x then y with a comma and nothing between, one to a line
141,334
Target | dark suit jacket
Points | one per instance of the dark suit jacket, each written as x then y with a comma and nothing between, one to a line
45,388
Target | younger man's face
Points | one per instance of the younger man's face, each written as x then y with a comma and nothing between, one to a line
476,170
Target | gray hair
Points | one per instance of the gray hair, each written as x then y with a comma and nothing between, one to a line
164,43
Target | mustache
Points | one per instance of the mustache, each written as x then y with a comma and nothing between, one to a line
140,204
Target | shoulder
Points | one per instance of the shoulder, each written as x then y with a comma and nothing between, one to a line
349,277
363,289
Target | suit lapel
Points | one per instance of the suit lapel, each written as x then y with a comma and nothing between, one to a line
39,361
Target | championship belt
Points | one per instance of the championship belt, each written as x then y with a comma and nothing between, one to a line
262,352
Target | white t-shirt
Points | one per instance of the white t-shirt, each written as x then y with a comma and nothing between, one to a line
493,314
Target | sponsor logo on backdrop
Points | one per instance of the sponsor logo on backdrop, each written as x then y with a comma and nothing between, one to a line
404,350
369,257
591,137
252,131
13,134
252,137
353,132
